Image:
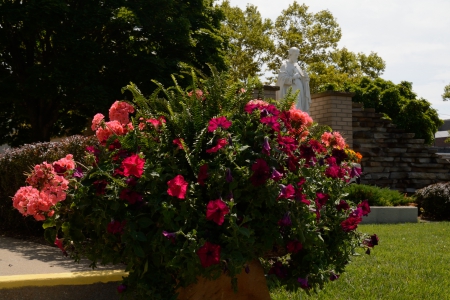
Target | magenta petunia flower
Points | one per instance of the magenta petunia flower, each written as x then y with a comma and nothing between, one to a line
131,196
216,210
343,205
294,247
133,165
121,288
364,205
333,172
285,220
266,146
220,144
171,236
276,175
272,122
321,199
59,244
351,223
221,122
303,283
202,174
261,172
100,187
116,226
228,176
286,192
334,276
177,187
177,142
279,270
209,254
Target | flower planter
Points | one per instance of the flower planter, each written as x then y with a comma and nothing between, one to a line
251,286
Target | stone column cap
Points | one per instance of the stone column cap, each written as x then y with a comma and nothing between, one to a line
271,87
332,93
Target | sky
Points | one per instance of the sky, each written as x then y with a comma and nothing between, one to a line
412,37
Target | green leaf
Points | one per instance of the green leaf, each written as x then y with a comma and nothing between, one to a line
145,222
48,223
244,231
137,249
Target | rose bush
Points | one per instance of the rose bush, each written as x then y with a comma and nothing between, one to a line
187,184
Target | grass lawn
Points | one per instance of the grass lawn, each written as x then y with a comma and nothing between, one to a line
412,261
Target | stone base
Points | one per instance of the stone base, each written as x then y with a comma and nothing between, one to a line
391,214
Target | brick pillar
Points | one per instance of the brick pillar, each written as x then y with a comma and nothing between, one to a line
268,90
335,110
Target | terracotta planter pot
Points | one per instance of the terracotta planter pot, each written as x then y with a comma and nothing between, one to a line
251,286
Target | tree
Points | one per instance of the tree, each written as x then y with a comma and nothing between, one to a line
400,104
63,60
345,67
446,94
317,36
249,39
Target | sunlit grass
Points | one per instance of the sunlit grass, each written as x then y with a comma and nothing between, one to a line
412,261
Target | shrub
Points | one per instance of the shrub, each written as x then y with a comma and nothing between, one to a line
204,181
434,201
377,196
15,162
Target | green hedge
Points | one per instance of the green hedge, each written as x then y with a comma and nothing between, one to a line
17,161
377,196
434,201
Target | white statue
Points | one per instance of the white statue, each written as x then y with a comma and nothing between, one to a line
292,76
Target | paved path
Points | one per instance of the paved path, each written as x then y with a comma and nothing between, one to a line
31,271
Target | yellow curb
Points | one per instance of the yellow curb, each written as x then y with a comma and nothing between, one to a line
76,278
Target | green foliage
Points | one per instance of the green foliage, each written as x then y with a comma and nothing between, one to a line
434,201
446,94
112,216
249,40
377,196
61,60
399,103
14,163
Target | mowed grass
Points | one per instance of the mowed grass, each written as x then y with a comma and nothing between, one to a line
412,261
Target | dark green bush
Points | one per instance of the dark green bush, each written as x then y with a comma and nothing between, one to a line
17,161
377,196
434,201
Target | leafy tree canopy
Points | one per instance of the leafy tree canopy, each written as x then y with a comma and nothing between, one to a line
249,38
399,103
446,94
257,43
62,60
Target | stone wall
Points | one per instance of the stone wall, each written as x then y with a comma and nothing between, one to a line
392,157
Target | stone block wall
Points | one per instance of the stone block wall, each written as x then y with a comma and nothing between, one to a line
392,157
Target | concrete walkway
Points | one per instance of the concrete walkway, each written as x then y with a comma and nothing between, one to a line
34,271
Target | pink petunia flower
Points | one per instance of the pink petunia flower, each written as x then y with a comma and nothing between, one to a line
216,210
220,144
209,254
177,187
133,165
221,122
202,174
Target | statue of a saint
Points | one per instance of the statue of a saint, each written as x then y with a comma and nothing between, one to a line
291,76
